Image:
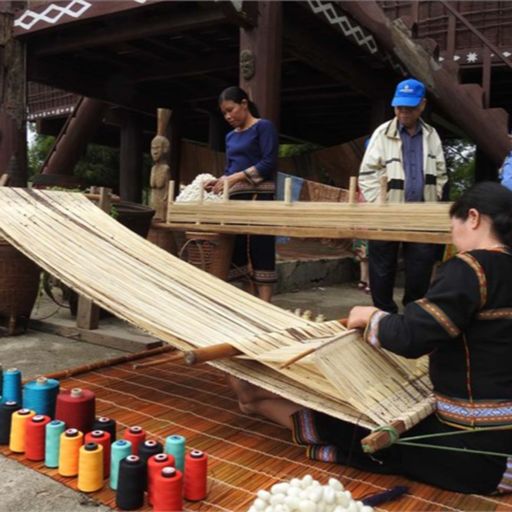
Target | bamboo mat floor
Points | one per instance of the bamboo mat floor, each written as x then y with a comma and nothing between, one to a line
245,453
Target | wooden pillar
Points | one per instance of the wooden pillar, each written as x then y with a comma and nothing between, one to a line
260,56
174,134
217,129
485,168
13,101
130,159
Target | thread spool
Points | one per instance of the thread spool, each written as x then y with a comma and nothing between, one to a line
70,442
1,380
155,465
102,438
135,435
167,491
90,467
40,395
7,409
17,436
196,476
175,445
107,425
76,408
35,433
148,448
119,450
11,385
131,483
54,429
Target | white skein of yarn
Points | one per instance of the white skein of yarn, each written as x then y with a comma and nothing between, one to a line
307,495
192,192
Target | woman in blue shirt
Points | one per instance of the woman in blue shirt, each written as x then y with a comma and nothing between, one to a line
251,162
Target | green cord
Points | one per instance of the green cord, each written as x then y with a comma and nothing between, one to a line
453,449
394,438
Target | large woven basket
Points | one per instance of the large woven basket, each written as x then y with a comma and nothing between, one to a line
210,252
19,284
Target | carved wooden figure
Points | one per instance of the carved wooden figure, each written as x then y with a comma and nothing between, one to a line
160,176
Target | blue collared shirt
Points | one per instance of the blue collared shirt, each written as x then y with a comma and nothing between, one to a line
412,154
506,172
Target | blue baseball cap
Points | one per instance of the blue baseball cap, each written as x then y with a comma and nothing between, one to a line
409,93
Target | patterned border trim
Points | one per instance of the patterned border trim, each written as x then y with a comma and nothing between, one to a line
505,485
474,414
480,274
495,314
440,316
52,14
371,333
304,429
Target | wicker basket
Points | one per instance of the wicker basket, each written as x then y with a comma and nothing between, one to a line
19,284
210,252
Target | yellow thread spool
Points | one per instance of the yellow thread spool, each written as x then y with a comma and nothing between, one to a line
70,442
90,467
18,423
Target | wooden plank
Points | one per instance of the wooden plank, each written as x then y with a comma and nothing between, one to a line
88,315
97,337
358,233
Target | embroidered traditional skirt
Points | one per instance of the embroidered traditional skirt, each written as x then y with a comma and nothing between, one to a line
254,256
332,440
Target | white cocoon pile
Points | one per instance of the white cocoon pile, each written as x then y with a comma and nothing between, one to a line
307,495
192,192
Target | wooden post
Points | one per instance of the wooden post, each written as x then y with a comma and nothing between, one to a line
174,134
486,76
130,159
225,192
352,190
13,92
288,191
88,313
260,52
170,198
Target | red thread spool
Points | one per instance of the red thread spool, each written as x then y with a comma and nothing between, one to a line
35,433
196,475
155,465
168,490
135,435
103,438
76,408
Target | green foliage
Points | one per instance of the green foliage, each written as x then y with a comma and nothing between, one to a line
460,163
99,166
297,149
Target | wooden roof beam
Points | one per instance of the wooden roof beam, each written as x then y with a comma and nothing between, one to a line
129,31
326,57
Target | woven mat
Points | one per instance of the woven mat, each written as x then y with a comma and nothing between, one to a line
245,453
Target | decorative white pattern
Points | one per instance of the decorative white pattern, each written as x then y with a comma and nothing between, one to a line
471,57
52,14
347,26
456,57
506,54
48,113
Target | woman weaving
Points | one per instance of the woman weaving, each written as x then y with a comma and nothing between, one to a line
251,161
465,323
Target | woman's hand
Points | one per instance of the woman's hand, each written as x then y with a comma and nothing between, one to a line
218,186
359,316
208,185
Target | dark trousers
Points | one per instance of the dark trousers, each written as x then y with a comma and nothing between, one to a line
382,258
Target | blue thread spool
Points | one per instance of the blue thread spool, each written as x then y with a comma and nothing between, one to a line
119,450
12,386
175,445
1,381
40,395
52,443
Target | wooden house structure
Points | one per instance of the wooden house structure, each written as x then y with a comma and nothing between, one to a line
323,71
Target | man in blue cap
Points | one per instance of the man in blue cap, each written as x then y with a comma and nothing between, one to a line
409,153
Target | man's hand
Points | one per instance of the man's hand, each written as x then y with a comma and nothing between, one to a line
359,316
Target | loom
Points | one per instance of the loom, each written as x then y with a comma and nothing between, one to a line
69,237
